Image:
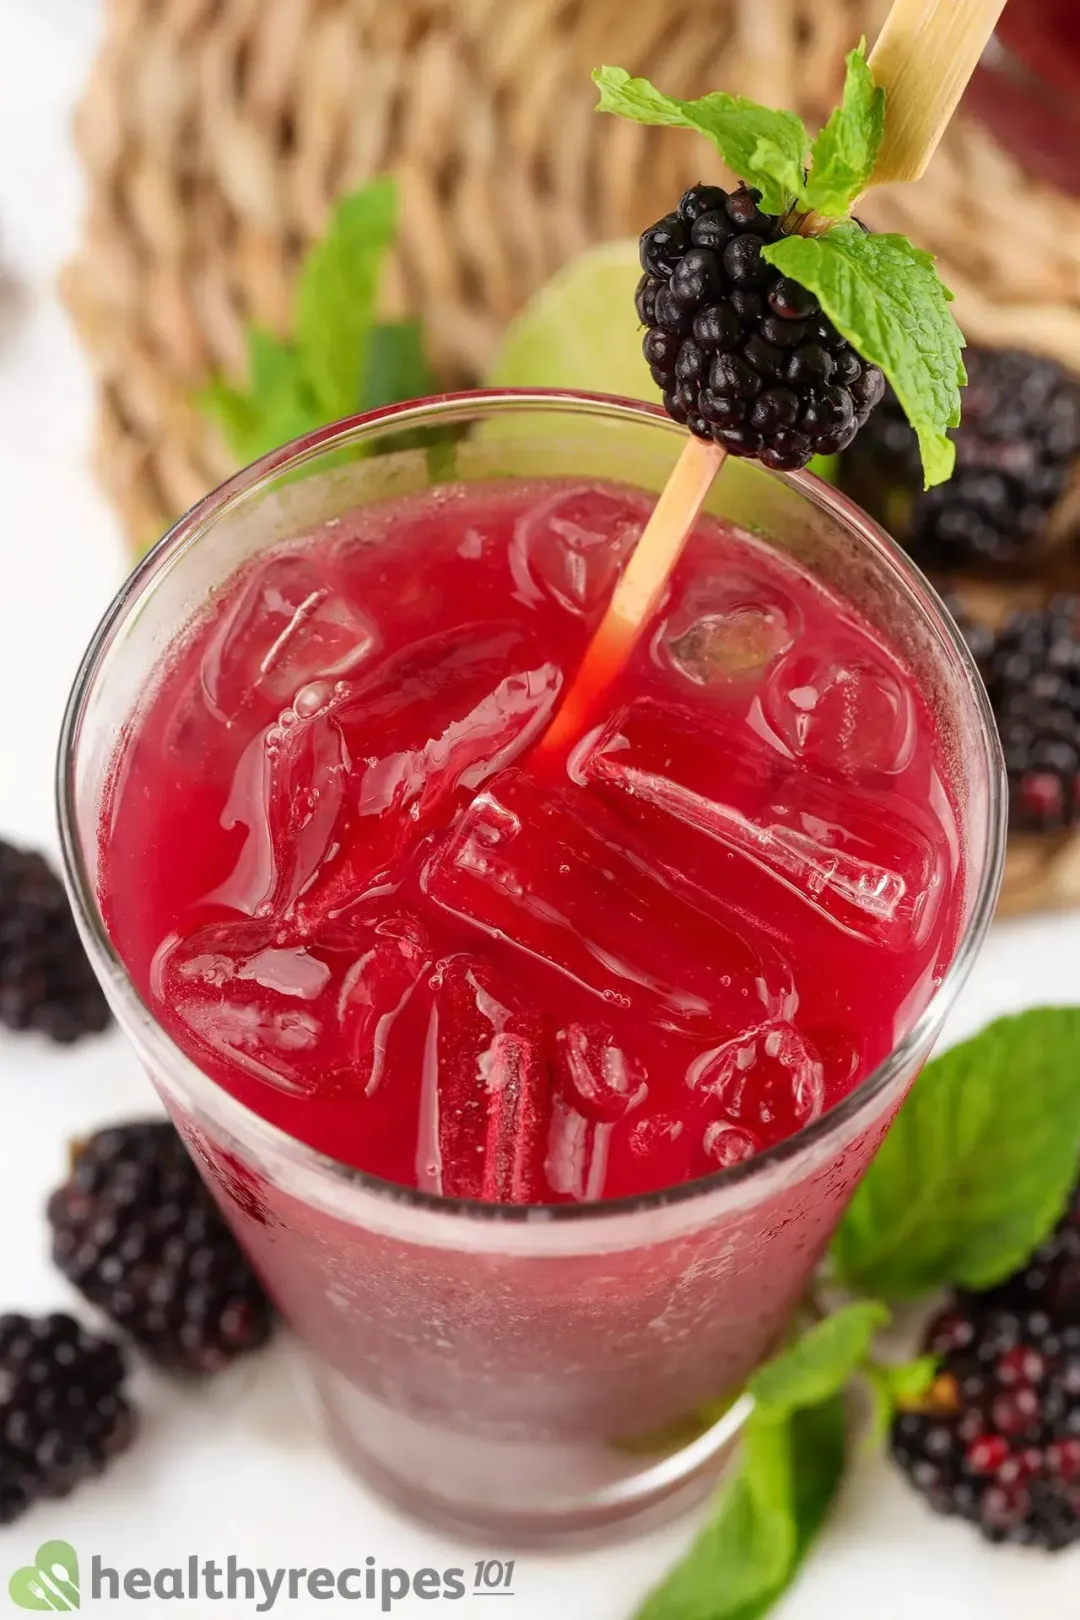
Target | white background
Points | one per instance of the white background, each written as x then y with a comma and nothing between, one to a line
235,1467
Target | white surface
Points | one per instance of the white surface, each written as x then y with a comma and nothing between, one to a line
236,1468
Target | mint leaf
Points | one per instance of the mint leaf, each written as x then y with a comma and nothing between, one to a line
978,1166
336,296
396,367
895,1385
765,148
791,1460
768,1516
844,154
821,1362
884,295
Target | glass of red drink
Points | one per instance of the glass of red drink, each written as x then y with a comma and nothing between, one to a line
534,1090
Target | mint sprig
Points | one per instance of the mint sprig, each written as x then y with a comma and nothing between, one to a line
977,1167
881,292
340,358
768,148
844,154
774,1502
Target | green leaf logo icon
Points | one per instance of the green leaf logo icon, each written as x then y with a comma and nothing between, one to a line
51,1582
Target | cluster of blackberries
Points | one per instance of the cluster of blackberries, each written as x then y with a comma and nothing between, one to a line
743,354
138,1234
1016,445
62,1413
46,981
997,1440
1031,666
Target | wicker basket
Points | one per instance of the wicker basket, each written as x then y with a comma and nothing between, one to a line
216,134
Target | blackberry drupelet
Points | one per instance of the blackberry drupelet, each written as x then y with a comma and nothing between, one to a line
997,1441
136,1231
63,1416
1015,447
46,981
1032,674
742,354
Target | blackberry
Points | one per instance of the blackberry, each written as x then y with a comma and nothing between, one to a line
1015,447
63,1416
46,981
1032,673
742,354
997,1441
137,1232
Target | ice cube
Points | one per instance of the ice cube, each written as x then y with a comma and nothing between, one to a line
571,545
350,787
486,1091
866,864
728,629
577,1157
551,872
724,1144
769,1081
853,715
303,1019
287,627
597,1075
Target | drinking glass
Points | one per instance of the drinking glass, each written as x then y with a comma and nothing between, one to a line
509,1371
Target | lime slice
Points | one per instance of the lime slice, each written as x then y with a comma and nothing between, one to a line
580,330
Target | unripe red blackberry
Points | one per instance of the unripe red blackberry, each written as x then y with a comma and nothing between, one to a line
744,355
136,1231
997,1440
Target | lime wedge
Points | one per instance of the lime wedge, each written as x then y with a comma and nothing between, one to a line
580,330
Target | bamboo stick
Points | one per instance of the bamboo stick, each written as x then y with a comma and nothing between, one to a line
924,56
639,589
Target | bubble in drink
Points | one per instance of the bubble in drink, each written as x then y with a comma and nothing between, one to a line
552,874
288,626
852,716
724,1145
826,841
571,545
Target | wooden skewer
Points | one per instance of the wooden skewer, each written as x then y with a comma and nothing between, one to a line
924,57
638,592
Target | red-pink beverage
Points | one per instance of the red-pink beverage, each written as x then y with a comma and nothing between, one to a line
346,883
370,914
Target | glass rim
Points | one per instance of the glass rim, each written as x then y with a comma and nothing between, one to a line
200,519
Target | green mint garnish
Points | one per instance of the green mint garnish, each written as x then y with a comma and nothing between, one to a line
769,149
882,293
844,154
977,1167
340,359
772,1505
894,1385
